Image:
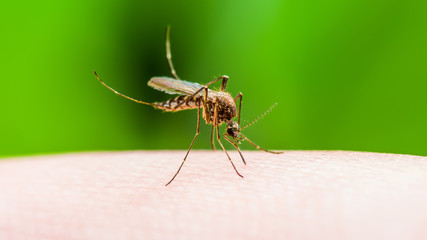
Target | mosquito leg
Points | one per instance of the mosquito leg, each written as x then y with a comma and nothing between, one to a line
239,96
189,98
206,114
191,145
219,140
236,146
212,137
258,147
169,54
223,84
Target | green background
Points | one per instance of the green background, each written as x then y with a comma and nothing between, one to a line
347,75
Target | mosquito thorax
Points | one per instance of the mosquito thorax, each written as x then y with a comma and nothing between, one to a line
227,109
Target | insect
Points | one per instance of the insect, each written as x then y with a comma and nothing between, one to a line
217,107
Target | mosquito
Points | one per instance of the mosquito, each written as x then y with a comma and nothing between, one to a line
218,107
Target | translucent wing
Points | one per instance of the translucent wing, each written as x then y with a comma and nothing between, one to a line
175,86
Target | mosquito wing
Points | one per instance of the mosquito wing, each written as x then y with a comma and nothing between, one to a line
175,86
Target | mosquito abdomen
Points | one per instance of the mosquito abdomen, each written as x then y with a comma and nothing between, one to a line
178,103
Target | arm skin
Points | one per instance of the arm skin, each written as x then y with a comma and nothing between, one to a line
294,195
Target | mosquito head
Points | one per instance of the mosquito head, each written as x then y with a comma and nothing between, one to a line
233,129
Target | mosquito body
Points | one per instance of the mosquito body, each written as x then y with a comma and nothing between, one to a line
195,95
217,107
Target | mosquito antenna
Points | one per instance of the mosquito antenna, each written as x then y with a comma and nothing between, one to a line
121,94
168,52
259,117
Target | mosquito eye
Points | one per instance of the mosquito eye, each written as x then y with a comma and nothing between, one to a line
230,131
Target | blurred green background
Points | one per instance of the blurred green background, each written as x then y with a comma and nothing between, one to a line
347,75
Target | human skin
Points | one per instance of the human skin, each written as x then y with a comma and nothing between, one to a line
294,195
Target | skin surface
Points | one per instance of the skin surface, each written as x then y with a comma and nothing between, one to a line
294,195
